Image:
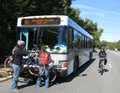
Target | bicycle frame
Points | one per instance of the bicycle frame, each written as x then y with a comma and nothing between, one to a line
102,60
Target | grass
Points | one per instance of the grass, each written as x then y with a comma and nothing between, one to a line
4,74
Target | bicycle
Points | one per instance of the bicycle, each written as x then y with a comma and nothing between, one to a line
52,72
8,65
102,67
32,64
34,69
30,68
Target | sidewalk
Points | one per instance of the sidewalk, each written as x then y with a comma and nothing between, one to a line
2,70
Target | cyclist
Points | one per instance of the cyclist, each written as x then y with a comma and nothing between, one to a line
17,53
44,61
102,54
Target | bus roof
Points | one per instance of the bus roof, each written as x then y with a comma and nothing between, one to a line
64,20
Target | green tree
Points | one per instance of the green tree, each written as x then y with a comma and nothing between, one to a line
10,10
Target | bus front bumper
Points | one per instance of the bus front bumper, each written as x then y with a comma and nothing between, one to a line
61,71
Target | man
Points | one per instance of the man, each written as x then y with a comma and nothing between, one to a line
18,52
102,54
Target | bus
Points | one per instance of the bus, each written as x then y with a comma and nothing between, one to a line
69,45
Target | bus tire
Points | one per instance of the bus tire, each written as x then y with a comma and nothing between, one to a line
90,56
76,63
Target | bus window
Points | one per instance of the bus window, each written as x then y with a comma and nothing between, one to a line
24,36
70,38
75,38
32,38
55,38
79,40
82,41
29,36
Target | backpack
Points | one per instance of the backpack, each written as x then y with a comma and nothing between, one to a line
44,57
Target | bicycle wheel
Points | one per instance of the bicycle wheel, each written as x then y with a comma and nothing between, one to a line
8,66
34,70
102,68
52,74
6,63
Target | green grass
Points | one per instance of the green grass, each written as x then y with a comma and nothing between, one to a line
4,74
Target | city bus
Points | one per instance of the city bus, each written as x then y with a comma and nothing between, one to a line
69,45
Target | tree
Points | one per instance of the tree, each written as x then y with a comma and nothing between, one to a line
10,10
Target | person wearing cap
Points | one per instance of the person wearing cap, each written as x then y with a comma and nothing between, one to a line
18,52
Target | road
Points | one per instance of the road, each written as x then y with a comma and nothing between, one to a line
86,80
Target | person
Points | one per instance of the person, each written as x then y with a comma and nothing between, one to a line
102,54
18,52
38,82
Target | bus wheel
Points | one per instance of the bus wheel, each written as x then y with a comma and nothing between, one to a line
76,63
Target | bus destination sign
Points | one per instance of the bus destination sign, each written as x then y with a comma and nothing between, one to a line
41,21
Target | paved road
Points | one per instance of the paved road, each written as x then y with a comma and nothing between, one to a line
86,80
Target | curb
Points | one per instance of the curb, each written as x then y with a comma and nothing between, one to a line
6,78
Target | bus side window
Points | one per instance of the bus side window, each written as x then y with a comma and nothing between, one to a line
79,40
70,38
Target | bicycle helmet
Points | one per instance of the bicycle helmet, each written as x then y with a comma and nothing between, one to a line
21,42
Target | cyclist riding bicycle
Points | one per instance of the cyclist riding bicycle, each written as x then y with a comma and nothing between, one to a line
102,55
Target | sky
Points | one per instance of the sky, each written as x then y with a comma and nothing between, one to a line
106,13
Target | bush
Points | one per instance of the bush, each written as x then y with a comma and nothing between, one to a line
4,47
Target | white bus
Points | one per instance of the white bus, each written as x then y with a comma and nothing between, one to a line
69,45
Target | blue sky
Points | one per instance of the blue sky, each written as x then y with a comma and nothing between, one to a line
105,12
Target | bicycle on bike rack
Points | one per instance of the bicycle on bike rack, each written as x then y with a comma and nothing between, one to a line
32,64
29,66
102,67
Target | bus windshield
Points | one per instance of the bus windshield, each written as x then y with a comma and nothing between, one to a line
55,38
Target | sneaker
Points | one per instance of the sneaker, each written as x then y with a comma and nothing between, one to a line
15,89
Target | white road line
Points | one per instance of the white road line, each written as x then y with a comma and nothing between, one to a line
110,65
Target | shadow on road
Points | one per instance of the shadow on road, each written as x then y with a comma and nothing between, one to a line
26,83
78,73
74,75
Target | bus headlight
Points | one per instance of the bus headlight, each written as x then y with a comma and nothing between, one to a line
64,64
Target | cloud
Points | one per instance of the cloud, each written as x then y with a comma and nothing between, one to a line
96,11
100,14
82,6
